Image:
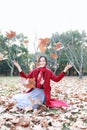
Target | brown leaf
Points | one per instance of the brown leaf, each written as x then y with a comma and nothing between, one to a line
43,44
44,40
58,45
85,99
30,83
54,56
42,47
10,34
26,41
44,123
37,64
9,105
24,122
15,121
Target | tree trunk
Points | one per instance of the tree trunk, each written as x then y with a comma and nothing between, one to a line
11,73
80,75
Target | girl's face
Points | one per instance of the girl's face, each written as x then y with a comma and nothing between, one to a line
42,62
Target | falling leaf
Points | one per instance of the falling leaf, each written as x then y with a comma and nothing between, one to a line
10,34
44,40
58,45
42,47
37,64
26,41
43,44
54,56
29,83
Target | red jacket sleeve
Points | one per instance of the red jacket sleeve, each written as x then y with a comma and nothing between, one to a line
57,78
22,74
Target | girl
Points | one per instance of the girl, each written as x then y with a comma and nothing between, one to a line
41,94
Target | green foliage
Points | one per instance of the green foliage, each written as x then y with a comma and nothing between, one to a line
72,51
13,49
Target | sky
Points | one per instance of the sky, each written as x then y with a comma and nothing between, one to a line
42,18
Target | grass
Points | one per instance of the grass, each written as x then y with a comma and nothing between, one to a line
9,85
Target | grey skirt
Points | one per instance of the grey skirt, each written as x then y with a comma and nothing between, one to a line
33,99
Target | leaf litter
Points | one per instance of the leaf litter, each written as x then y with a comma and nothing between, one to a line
71,89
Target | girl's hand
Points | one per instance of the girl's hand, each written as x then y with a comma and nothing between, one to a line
68,66
16,63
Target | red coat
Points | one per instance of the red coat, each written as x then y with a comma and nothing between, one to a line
49,75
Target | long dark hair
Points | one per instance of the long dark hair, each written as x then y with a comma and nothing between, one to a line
44,58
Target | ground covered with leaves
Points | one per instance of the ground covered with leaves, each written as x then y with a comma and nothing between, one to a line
71,89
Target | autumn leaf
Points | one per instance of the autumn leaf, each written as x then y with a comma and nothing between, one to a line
71,89
43,44
32,82
42,48
26,41
10,34
54,56
37,64
29,83
44,123
58,45
44,40
9,105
